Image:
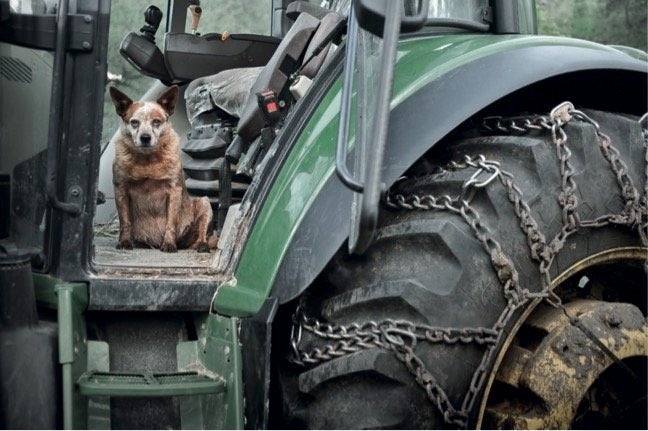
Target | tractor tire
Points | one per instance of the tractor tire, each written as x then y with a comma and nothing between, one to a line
428,267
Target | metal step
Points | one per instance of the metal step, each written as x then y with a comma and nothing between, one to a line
202,169
182,383
208,143
211,188
208,169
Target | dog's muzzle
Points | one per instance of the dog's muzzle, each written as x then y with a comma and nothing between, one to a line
145,140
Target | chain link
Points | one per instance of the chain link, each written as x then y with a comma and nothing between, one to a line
386,334
402,337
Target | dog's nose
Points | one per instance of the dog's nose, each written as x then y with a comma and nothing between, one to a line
145,139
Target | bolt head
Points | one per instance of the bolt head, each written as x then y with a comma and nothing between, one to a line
613,320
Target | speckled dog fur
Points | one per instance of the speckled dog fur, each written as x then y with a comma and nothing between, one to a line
153,205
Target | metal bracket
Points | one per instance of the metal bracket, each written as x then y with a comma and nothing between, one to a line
39,31
82,32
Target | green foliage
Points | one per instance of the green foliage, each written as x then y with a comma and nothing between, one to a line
612,22
235,16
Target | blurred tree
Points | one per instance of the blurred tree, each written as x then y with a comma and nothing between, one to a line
612,22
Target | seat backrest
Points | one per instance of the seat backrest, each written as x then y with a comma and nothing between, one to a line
274,76
327,25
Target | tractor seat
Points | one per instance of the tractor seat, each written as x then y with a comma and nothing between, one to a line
225,115
233,91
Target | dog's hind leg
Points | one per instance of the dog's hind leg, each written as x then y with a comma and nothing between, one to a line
202,220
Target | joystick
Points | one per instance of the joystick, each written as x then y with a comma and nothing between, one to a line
153,17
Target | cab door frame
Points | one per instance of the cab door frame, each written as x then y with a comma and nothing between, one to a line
79,43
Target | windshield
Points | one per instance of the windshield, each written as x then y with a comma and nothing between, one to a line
464,9
25,89
472,10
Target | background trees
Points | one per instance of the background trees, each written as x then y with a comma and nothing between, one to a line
613,22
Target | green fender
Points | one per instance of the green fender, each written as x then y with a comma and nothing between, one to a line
440,81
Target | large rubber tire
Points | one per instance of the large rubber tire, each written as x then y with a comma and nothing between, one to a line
428,267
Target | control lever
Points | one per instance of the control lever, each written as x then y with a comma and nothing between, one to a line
152,17
196,13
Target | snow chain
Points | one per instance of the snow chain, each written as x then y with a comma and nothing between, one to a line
401,337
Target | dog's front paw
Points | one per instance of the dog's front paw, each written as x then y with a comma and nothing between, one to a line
202,247
169,247
125,244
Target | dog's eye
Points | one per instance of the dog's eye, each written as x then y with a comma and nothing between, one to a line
157,123
134,123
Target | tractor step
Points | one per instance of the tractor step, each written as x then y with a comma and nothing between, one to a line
114,384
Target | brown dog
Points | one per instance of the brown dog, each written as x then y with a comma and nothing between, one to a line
153,205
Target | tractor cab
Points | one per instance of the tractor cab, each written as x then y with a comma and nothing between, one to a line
237,91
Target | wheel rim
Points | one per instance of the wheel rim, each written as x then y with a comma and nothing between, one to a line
551,375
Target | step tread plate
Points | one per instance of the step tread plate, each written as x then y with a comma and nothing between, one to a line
164,384
211,188
205,148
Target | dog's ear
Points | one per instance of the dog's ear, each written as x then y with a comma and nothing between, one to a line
168,99
121,101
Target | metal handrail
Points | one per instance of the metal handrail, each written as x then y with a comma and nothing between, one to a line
56,114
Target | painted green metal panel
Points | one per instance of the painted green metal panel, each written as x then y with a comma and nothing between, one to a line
98,407
197,412
44,286
72,302
312,159
223,355
216,352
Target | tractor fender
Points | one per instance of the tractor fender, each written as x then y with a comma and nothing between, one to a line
439,100
420,121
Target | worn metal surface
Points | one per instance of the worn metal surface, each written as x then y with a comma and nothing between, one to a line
106,254
566,363
216,352
513,369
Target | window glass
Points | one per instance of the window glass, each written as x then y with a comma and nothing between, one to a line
465,9
341,6
126,16
234,16
33,7
612,22
25,90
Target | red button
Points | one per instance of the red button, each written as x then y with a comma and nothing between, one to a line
271,107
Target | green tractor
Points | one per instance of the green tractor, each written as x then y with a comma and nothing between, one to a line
429,217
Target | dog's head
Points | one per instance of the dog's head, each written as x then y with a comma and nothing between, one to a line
145,122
